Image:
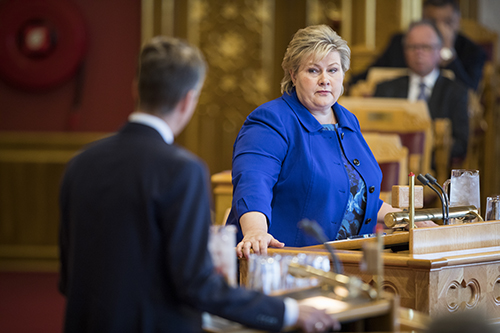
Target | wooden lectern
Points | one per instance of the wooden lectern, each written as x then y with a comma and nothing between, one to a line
435,271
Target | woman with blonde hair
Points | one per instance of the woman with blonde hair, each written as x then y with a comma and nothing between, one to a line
302,155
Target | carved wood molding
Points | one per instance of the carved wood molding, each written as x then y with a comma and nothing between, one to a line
464,294
496,291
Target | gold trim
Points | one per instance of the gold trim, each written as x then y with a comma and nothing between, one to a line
194,16
347,20
411,10
147,20
313,12
370,24
167,17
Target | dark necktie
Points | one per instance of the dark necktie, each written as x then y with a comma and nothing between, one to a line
421,94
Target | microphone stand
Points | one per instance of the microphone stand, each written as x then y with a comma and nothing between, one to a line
425,182
312,228
434,181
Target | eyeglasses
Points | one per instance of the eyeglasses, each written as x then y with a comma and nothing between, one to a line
423,47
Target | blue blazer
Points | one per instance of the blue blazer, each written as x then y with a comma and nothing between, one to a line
287,167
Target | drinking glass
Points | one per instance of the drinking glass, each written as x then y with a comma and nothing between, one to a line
221,245
463,188
492,208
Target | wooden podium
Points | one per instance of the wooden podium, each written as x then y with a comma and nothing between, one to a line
436,271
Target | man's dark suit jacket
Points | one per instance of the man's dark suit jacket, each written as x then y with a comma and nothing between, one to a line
448,100
467,66
135,216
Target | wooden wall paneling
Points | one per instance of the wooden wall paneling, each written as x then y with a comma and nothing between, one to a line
289,17
147,20
31,167
388,22
361,55
358,22
469,9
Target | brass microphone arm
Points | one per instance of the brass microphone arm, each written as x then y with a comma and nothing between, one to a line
402,218
344,286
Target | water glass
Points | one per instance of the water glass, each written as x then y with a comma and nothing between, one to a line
269,274
463,188
221,245
492,208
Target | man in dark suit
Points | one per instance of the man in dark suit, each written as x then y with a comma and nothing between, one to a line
459,54
445,98
135,216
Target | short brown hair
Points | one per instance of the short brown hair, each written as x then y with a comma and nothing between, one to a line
168,69
316,41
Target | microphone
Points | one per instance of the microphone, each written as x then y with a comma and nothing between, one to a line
425,182
434,181
312,228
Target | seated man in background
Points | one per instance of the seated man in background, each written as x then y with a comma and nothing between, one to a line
445,98
135,217
459,54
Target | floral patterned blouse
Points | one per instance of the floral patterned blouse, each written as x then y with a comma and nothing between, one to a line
356,205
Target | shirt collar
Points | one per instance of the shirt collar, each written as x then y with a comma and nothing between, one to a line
307,119
155,122
429,79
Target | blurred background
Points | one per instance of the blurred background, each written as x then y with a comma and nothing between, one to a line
50,110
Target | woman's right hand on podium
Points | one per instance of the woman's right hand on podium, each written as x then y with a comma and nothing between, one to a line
255,235
424,224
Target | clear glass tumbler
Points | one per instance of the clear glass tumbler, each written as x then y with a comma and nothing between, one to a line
221,244
492,208
463,188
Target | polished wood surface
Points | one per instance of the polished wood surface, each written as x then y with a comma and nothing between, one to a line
450,279
456,237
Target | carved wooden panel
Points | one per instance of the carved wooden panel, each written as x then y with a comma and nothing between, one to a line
441,291
471,287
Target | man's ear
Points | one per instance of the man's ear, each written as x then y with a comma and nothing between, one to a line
187,105
189,101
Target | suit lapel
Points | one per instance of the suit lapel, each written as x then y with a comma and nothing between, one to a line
437,91
403,87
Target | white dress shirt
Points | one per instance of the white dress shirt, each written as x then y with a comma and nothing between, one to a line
155,122
414,87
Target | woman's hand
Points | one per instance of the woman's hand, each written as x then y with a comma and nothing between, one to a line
255,236
423,224
258,241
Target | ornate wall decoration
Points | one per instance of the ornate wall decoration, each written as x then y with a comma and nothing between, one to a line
236,38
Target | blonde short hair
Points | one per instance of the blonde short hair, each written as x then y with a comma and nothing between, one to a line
316,41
